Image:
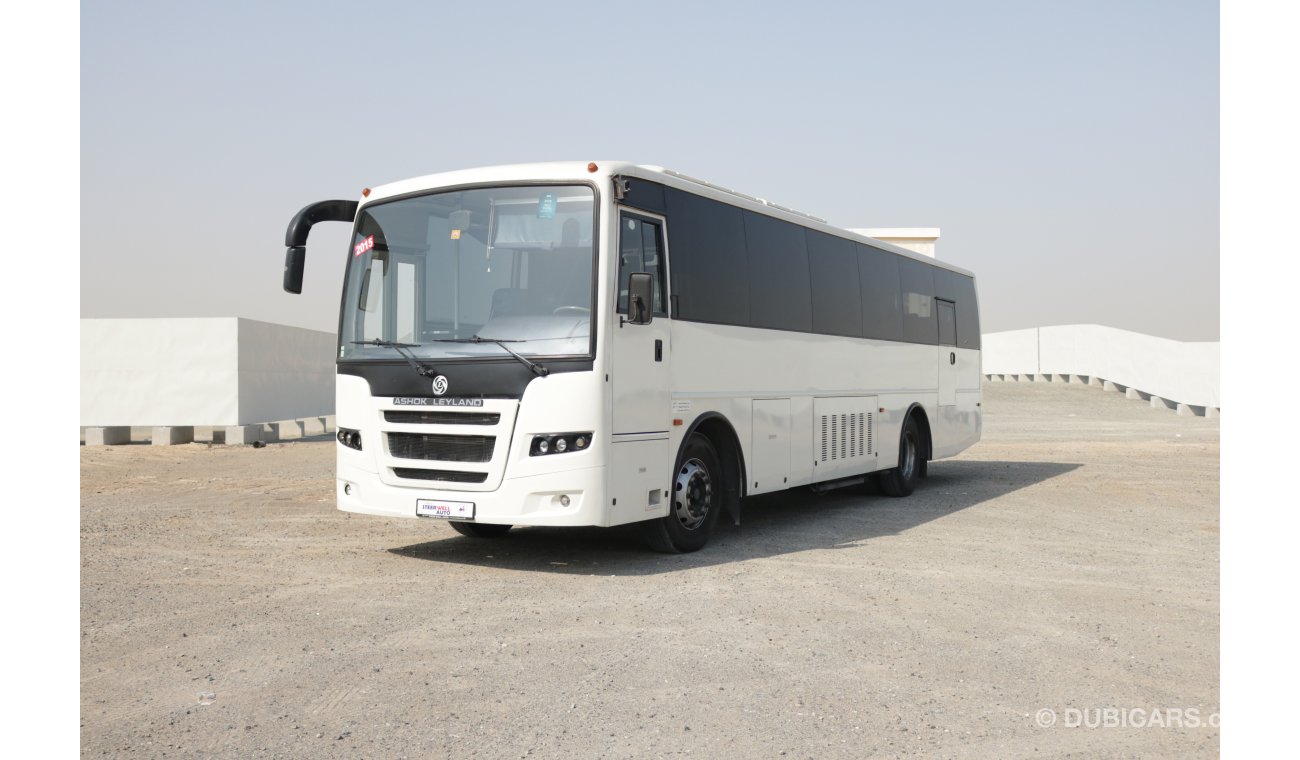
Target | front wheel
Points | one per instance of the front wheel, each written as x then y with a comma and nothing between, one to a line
694,502
901,480
480,530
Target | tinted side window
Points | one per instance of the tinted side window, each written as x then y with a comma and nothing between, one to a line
836,298
710,276
882,310
919,322
779,294
961,289
640,249
947,322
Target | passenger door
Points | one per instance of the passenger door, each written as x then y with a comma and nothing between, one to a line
947,352
639,353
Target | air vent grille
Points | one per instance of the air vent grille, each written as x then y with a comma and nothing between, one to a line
441,418
847,436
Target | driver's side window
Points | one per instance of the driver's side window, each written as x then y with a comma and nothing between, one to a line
640,249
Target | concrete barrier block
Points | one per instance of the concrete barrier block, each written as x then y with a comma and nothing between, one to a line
270,432
1108,385
1190,410
108,436
1059,378
313,426
1161,403
171,435
290,429
1096,382
1040,378
1134,393
1212,412
1079,379
330,426
218,435
242,435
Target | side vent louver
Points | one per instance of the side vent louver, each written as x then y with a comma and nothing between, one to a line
847,436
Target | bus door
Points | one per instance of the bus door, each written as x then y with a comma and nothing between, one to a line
639,353
947,352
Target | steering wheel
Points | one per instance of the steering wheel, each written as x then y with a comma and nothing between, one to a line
571,309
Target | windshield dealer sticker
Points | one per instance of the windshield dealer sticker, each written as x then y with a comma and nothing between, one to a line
546,206
363,246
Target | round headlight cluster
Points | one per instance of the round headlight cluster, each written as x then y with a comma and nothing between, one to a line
350,438
559,443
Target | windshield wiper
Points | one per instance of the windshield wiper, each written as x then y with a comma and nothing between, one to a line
536,368
423,370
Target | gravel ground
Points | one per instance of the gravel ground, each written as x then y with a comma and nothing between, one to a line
1069,562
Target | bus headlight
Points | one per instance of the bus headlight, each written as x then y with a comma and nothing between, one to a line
350,438
559,443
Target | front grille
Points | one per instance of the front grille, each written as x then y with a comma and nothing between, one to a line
442,418
441,448
450,476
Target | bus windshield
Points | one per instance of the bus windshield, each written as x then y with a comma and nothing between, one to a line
498,263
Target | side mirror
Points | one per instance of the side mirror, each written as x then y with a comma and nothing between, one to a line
295,237
640,294
294,258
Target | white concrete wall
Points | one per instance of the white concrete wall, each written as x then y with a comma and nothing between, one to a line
918,239
284,372
1186,373
197,371
1013,352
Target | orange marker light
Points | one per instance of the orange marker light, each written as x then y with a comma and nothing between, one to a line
677,423
365,192
592,168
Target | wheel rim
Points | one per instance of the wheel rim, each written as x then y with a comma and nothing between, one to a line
692,494
908,465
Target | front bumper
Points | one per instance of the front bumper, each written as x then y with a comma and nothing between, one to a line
527,500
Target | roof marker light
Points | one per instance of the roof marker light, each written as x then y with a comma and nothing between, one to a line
365,192
592,168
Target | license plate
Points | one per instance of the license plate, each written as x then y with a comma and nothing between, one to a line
447,510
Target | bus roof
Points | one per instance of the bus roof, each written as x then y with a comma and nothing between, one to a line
569,171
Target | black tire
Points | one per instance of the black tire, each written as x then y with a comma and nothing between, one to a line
901,480
480,530
694,502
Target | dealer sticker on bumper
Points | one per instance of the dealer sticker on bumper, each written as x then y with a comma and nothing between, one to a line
447,510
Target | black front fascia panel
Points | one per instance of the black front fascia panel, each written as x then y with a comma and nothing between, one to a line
481,378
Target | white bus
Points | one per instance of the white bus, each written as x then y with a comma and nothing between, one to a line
607,343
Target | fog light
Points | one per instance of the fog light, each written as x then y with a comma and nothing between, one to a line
561,446
564,500
543,446
581,442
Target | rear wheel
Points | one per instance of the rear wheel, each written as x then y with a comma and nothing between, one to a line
480,530
694,502
901,480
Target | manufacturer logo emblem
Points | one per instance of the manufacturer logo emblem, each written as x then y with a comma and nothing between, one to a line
439,385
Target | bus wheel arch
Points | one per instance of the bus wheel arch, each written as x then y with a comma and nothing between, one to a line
914,448
927,440
709,452
720,432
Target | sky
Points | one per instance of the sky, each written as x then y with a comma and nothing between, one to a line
1069,151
